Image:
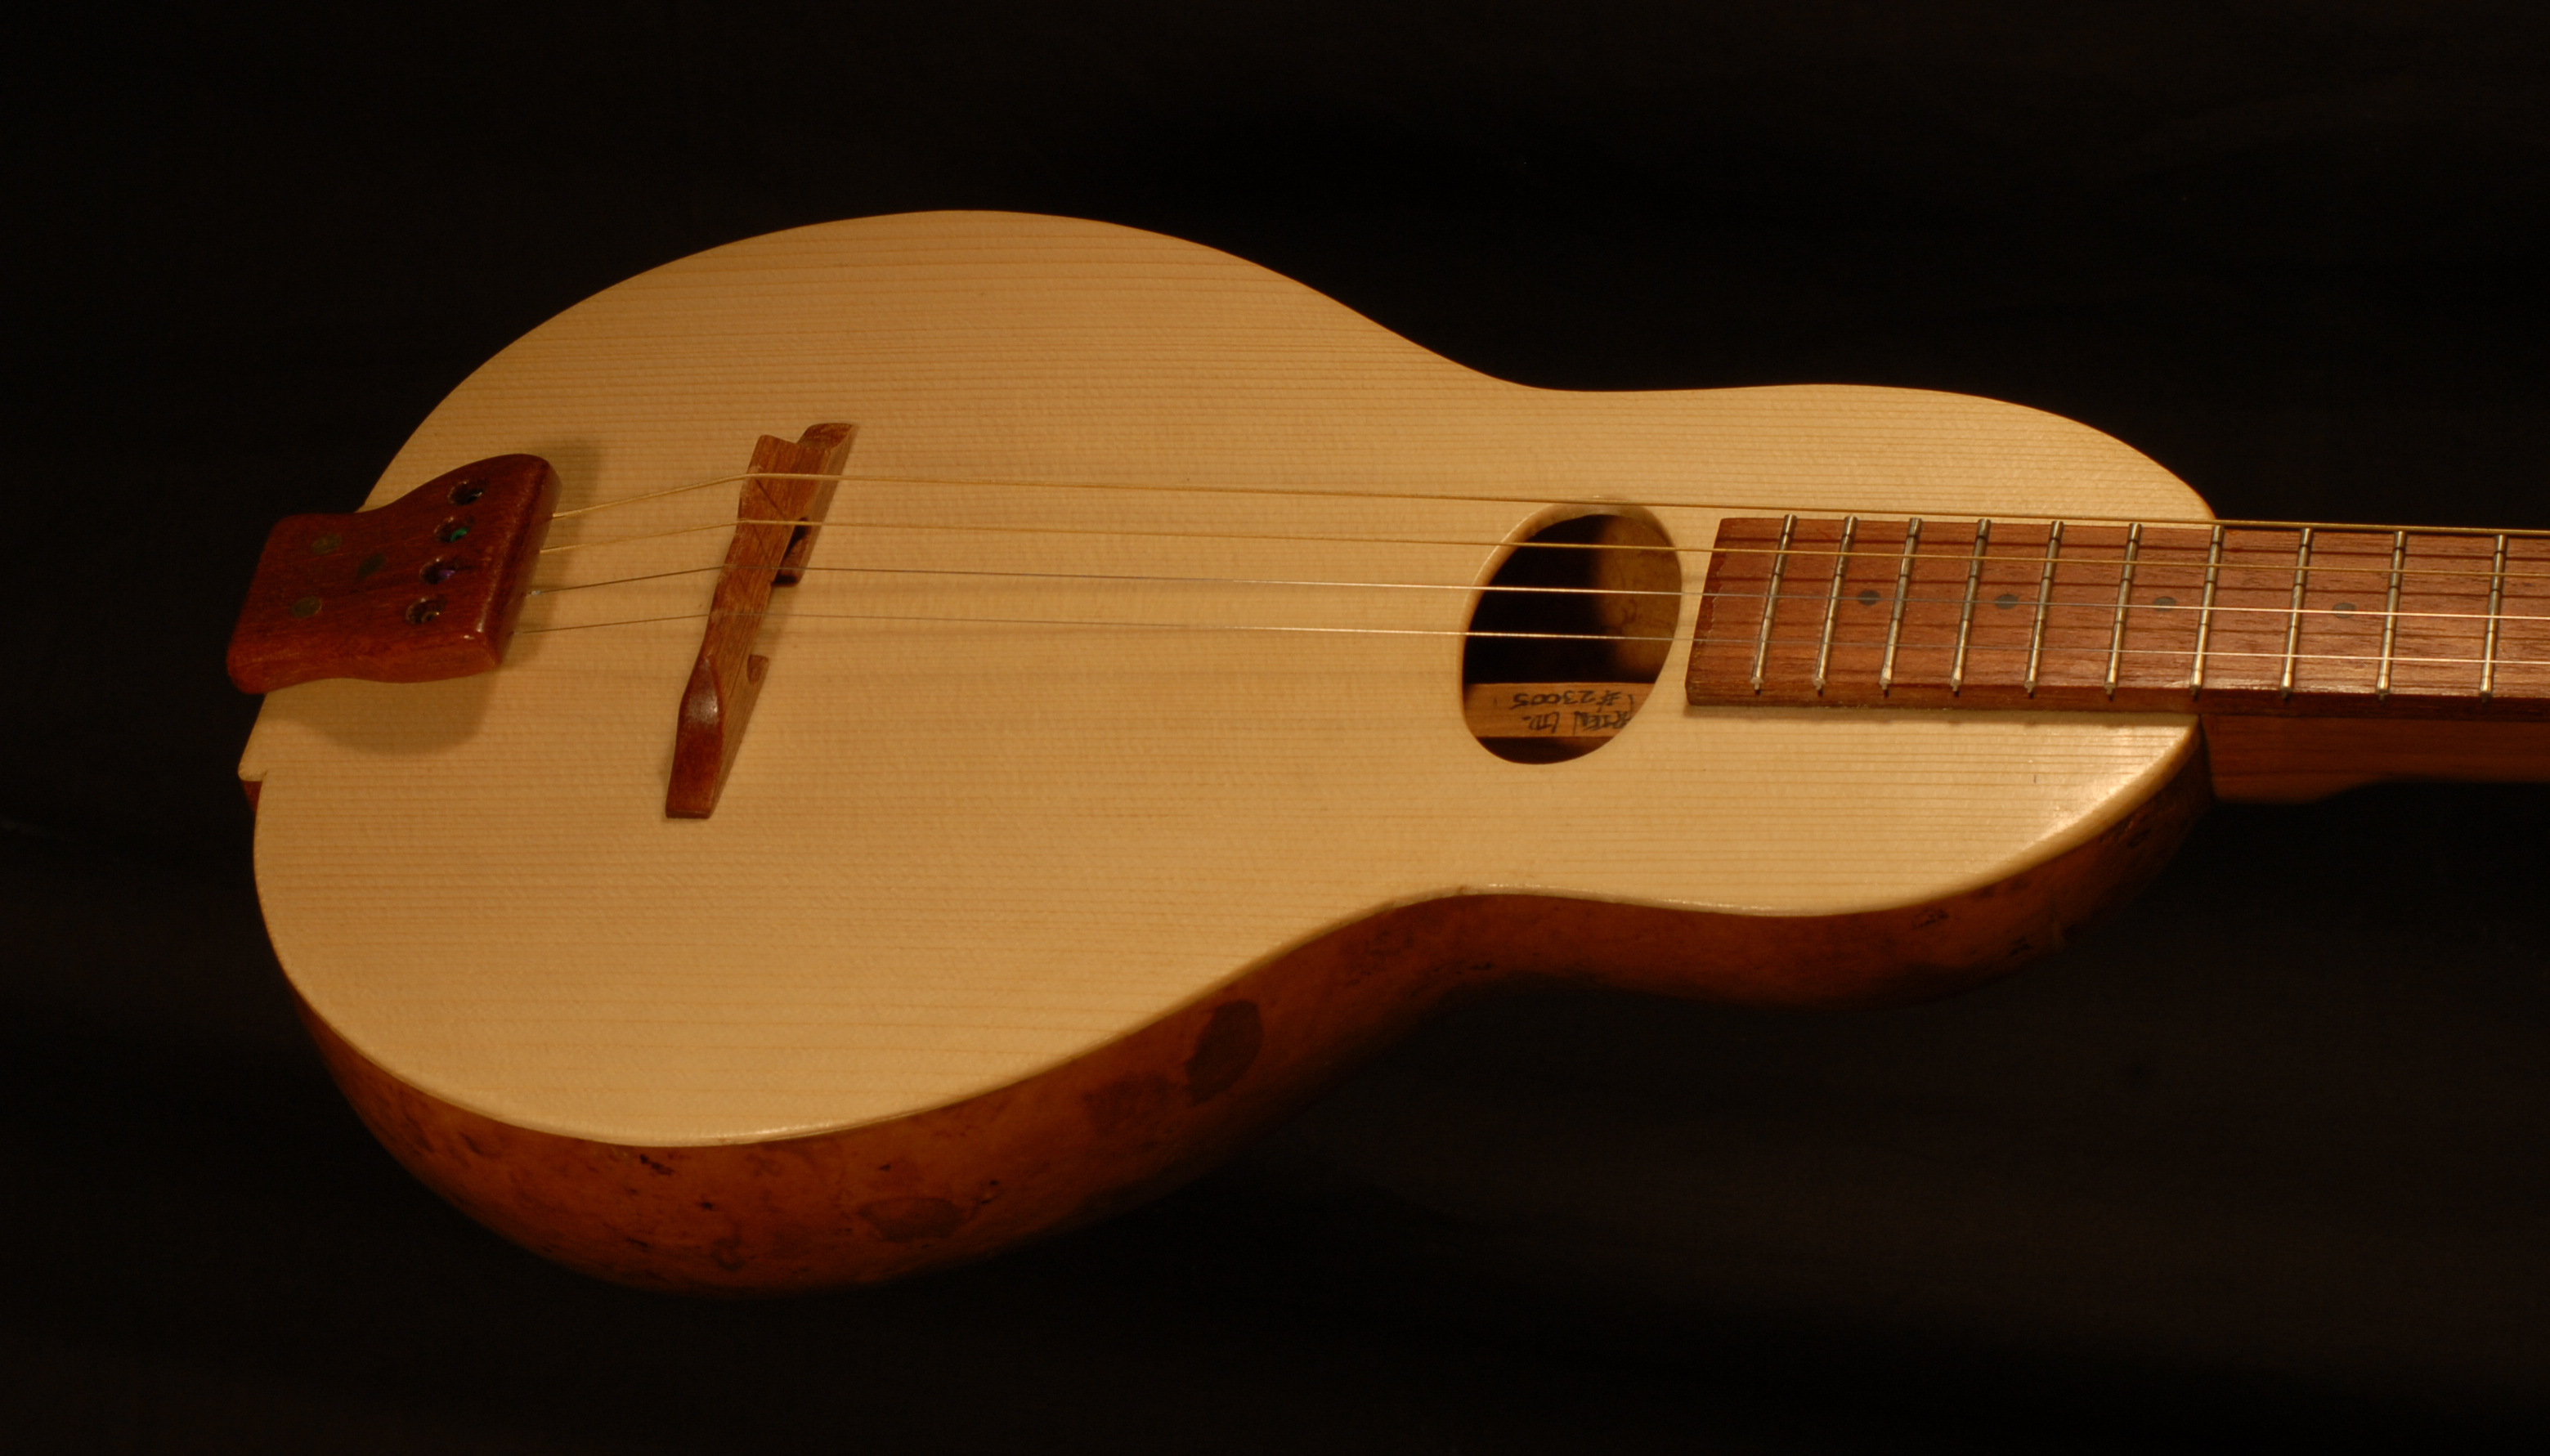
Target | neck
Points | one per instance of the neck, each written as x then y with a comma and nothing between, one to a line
2319,657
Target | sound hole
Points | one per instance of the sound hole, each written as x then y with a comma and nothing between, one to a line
1569,637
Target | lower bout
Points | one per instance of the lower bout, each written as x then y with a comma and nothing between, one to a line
1164,1103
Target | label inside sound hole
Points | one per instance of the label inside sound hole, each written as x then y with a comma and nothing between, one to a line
1568,635
1552,710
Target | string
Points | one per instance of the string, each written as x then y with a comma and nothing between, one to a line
2103,608
1370,632
657,495
1305,492
1111,531
1419,586
2228,556
2213,655
1124,485
2280,557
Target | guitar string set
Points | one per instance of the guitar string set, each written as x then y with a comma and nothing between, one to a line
1840,557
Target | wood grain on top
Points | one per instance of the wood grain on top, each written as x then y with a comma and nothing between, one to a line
1003,800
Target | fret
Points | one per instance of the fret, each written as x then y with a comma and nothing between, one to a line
1966,616
2496,614
1832,600
2044,601
1895,624
2391,614
1771,600
2293,615
2125,593
2204,615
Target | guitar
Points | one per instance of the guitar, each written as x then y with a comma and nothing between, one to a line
1123,687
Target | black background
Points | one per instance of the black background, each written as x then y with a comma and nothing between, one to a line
2263,1159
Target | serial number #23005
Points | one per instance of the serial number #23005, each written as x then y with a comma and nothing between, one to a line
1552,710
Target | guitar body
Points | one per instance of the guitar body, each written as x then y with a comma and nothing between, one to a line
1001,923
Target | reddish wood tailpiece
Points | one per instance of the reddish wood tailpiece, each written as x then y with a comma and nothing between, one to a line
726,678
425,587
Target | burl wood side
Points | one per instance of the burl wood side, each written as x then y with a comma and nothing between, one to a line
1158,1107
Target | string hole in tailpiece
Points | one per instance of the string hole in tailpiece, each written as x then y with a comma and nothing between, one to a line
424,610
452,529
467,493
439,572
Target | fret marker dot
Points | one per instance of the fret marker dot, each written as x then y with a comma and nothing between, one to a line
2164,603
2006,601
1868,598
2346,609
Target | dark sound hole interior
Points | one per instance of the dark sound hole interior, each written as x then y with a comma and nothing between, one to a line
1600,596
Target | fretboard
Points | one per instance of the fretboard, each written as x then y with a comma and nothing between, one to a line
2347,622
